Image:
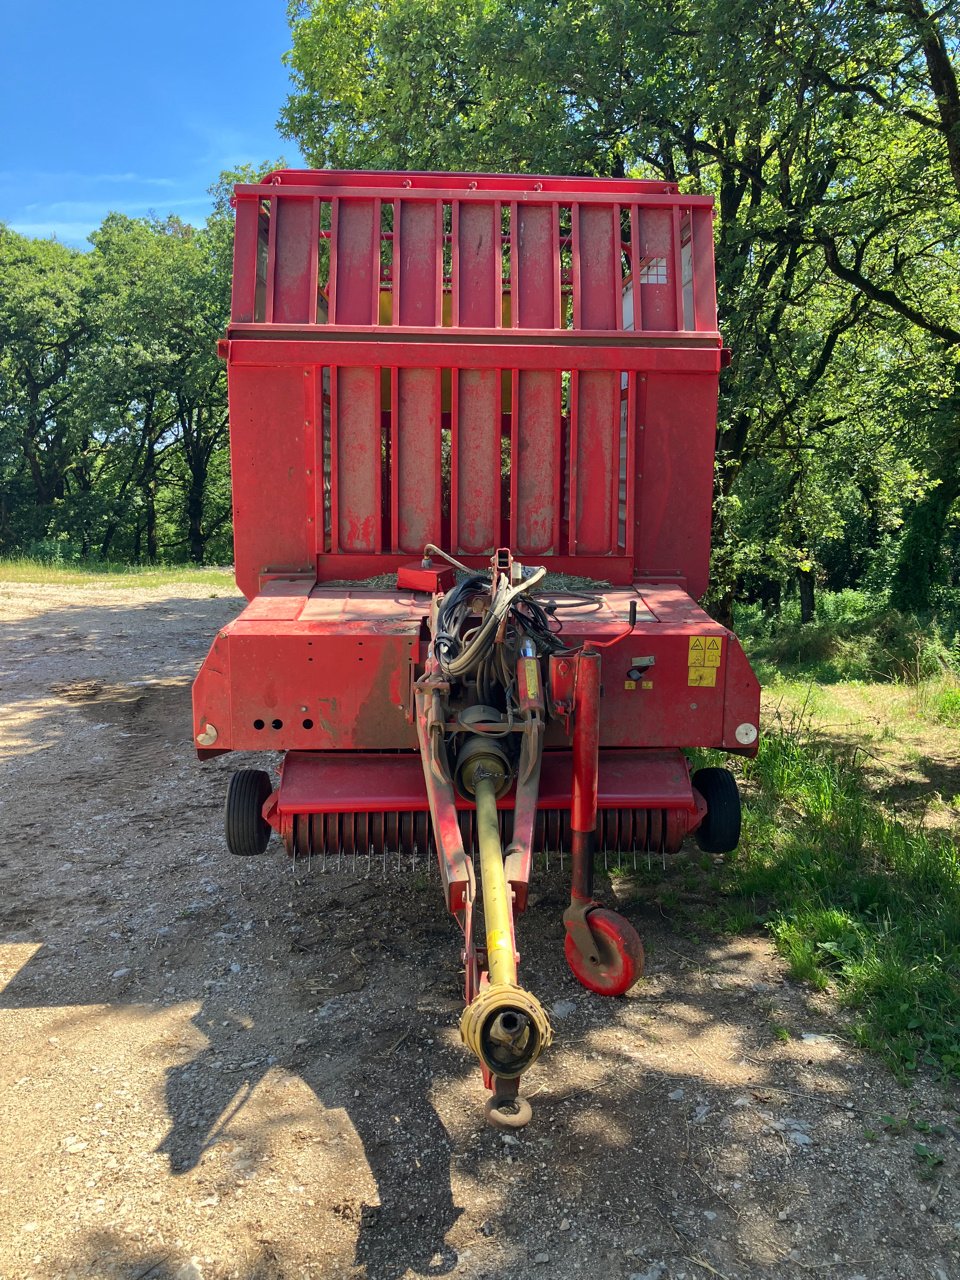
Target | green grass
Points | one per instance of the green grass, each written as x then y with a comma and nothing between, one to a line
854,636
50,572
854,899
944,704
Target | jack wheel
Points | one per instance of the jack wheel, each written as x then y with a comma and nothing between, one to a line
719,832
508,1112
619,955
247,832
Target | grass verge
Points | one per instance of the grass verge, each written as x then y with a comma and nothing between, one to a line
49,572
853,898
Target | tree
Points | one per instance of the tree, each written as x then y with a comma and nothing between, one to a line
44,292
811,124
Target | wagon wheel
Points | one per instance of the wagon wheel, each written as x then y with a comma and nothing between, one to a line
246,830
619,954
719,832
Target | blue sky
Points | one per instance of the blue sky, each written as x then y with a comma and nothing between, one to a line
131,106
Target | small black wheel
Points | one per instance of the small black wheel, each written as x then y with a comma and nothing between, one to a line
719,832
247,832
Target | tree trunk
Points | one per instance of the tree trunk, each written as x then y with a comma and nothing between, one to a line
806,579
195,533
920,562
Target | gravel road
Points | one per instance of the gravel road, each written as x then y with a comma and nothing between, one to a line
215,1070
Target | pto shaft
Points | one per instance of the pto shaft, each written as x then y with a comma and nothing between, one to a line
504,1025
501,957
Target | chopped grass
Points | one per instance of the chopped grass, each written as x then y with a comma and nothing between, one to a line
853,898
105,575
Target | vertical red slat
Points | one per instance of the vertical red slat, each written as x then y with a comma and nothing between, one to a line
658,290
314,268
639,470
617,269
375,251
438,308
418,275
332,316
245,261
455,446
416,460
677,257
513,531
535,503
358,459
476,235
631,468
498,265
356,397
293,288
704,281
271,260
334,459
358,262
599,251
320,474
596,450
636,258
514,223
455,264
572,462
394,455
418,463
475,430
595,495
575,265
536,283
395,271
557,266
311,428
535,455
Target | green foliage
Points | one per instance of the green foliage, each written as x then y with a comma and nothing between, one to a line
829,135
113,434
854,899
857,635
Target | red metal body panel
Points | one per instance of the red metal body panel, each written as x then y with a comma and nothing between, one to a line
345,660
394,336
358,782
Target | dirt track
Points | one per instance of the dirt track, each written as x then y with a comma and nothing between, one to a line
212,1069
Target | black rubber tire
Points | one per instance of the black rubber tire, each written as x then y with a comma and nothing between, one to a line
719,832
247,832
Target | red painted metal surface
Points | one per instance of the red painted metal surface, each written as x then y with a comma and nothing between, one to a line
366,782
395,336
504,366
345,659
586,742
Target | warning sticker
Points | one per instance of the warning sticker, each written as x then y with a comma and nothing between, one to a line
703,660
712,652
705,651
704,677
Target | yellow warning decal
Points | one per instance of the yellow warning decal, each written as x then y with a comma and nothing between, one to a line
705,651
629,684
704,677
712,652
703,659
498,940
